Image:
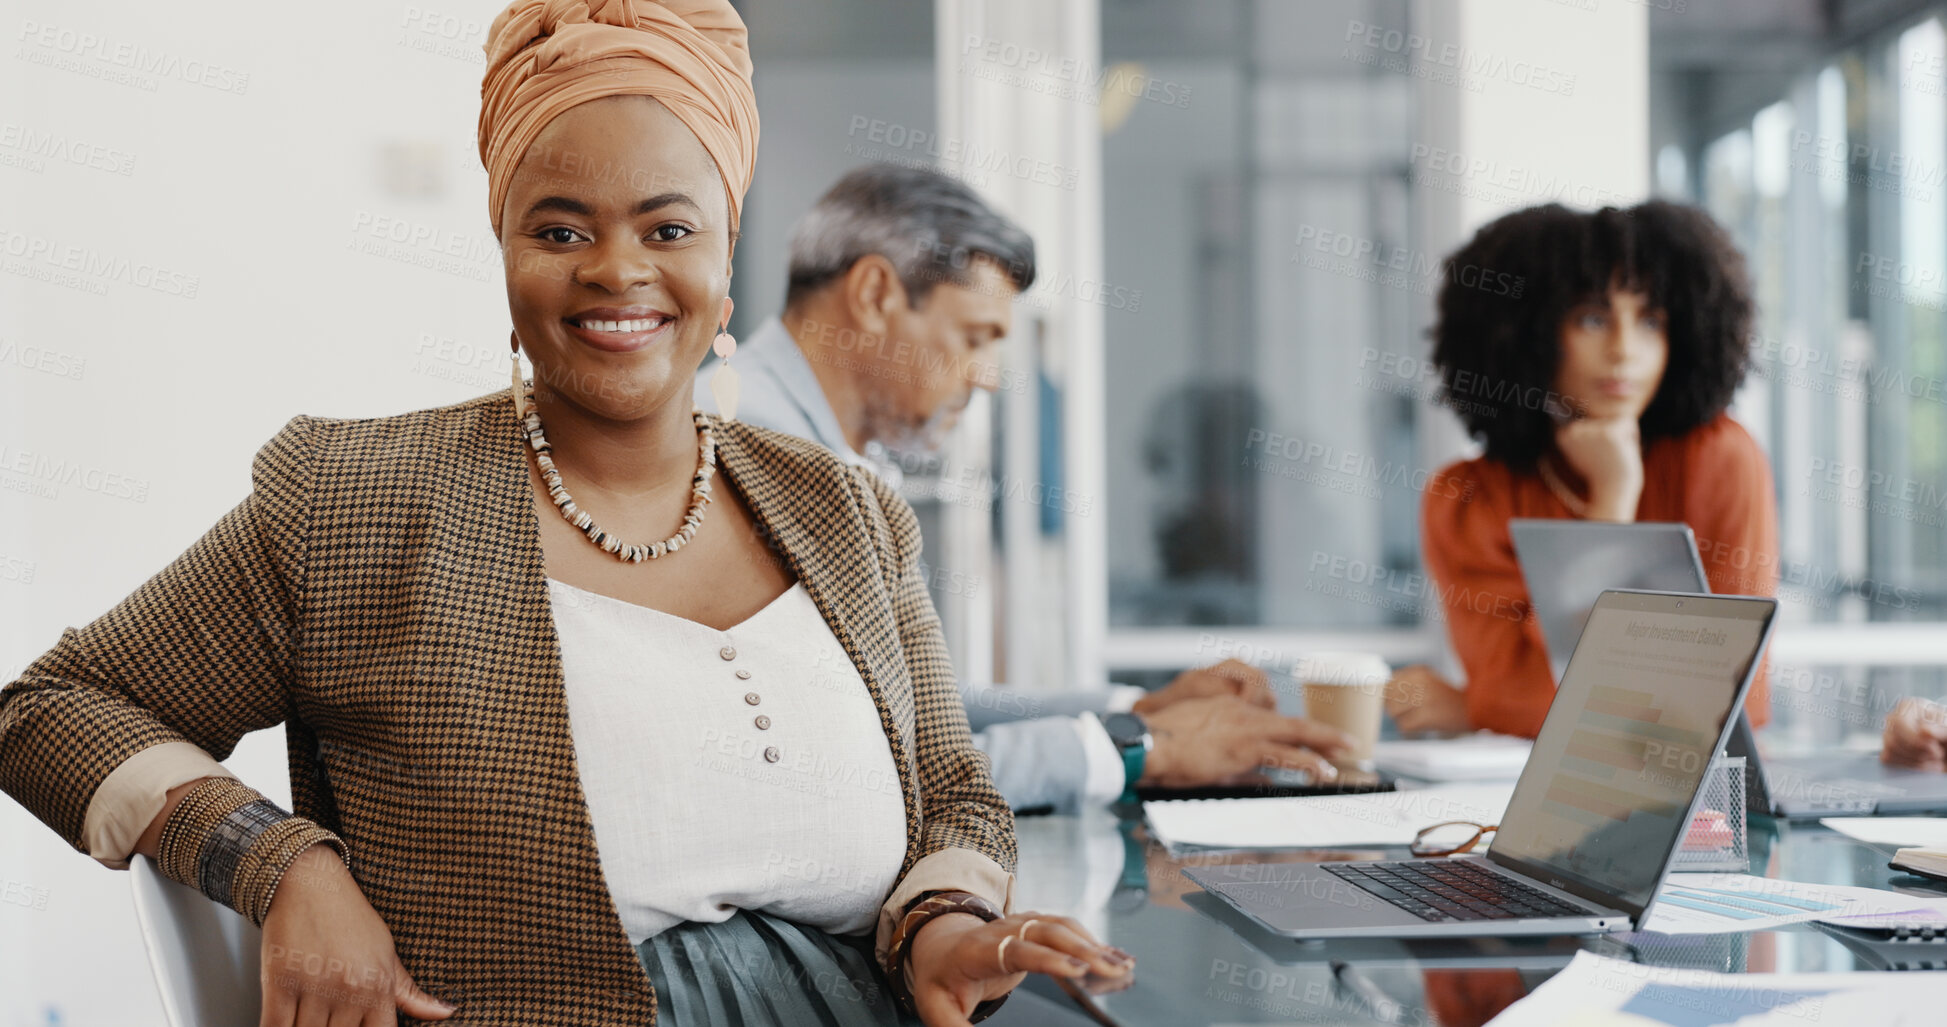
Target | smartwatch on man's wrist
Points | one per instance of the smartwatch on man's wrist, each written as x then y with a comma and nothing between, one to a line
1131,737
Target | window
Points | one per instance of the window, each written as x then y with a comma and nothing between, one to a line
1834,192
1266,224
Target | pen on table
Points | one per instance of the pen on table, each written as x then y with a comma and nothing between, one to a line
1083,999
1385,1008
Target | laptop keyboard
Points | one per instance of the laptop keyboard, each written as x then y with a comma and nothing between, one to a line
1443,890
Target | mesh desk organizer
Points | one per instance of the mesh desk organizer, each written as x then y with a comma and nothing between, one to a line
1716,840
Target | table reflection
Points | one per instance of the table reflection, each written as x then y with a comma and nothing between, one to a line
1200,962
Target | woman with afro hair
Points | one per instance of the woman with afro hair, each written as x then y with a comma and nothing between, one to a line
1593,355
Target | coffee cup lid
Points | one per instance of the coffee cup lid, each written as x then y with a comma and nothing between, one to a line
1341,669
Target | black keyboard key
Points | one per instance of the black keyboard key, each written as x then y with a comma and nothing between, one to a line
1446,891
1397,898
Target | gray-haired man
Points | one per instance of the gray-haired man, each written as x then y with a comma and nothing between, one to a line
902,281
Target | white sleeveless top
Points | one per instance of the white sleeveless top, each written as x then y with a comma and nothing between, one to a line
726,770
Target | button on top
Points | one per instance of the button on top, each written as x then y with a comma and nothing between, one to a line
751,698
727,653
771,754
763,723
743,675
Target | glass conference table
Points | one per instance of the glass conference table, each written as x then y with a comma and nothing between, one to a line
1198,963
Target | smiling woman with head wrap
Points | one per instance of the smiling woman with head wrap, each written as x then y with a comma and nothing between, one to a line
528,654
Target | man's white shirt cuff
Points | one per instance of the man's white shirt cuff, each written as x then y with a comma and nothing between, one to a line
1123,698
1106,776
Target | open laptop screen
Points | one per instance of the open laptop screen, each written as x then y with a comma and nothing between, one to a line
1643,705
1567,564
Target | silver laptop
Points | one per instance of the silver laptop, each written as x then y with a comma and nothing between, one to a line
1845,784
1652,690
1567,564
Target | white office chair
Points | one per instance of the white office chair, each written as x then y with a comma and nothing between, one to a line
205,956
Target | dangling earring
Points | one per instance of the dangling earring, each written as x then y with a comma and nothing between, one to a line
723,384
520,387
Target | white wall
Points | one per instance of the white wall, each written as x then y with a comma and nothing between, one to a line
1555,108
256,196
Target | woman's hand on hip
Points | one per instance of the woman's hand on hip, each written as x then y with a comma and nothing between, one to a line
328,959
958,960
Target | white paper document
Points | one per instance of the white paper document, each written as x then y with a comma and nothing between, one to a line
1596,991
1886,910
1728,903
1325,821
1483,756
1923,832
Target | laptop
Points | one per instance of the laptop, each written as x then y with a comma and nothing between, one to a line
1845,784
1650,693
1541,952
1567,564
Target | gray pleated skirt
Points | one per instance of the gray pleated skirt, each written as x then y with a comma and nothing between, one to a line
757,970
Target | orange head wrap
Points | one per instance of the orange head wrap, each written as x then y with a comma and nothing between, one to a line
545,56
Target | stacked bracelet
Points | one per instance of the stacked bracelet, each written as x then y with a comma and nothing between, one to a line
928,906
229,842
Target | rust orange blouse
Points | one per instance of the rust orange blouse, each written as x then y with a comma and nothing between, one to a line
1715,479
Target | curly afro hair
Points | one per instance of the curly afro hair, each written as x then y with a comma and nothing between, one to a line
1506,294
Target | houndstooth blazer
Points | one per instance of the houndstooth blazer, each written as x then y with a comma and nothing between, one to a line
381,593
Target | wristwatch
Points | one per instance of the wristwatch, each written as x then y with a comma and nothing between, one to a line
1131,736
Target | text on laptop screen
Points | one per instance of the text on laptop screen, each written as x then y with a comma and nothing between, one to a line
1632,730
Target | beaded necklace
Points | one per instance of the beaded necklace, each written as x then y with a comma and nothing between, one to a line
627,552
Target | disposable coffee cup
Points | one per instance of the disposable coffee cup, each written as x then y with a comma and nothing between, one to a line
1346,691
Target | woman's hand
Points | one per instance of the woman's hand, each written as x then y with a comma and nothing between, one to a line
1608,453
328,957
1421,701
957,960
1916,735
